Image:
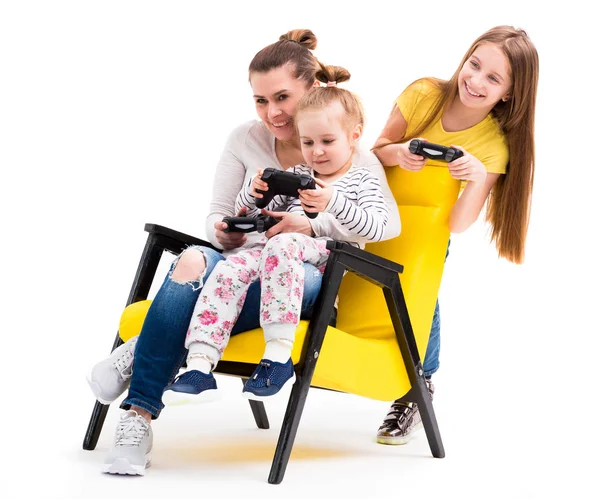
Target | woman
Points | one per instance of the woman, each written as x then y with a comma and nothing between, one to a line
280,75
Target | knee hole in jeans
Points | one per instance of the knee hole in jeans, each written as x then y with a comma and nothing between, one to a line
190,266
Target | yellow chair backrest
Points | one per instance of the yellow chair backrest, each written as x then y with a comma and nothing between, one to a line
424,201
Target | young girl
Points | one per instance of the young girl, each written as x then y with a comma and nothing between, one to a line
330,122
487,110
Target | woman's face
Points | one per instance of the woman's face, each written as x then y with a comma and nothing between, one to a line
276,95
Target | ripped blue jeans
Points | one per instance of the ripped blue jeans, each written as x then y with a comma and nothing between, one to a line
160,350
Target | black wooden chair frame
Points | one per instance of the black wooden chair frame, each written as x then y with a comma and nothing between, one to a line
377,270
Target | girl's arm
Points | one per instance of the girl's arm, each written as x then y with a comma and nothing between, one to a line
393,131
470,203
467,208
391,154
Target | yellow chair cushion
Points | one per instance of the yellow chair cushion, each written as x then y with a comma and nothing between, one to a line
361,355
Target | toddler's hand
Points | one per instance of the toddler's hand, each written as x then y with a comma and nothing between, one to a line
258,184
316,200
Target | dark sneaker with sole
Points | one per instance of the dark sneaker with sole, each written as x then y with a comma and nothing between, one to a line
402,422
268,379
192,387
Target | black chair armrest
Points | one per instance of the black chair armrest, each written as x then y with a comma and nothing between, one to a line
373,267
175,241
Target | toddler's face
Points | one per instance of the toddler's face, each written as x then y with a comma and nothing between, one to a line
327,146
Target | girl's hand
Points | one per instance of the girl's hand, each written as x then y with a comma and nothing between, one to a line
230,240
316,200
409,161
467,167
258,184
289,222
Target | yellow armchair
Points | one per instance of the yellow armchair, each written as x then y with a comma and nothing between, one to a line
388,332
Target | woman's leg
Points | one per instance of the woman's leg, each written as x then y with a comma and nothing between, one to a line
158,355
160,348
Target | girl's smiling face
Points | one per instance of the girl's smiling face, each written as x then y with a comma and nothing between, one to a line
484,78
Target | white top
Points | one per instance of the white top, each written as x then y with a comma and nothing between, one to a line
251,146
357,203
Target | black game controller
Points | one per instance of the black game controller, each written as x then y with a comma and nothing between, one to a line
434,151
249,224
285,183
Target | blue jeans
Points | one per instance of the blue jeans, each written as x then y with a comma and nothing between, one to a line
160,350
432,355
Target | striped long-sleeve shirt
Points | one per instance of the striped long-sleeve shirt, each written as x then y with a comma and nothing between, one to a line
357,203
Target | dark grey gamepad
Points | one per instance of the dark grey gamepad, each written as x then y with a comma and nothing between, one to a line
286,184
249,224
434,151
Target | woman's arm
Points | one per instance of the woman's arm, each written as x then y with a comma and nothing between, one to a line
228,180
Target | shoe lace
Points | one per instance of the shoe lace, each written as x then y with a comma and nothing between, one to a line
263,370
130,431
124,364
397,415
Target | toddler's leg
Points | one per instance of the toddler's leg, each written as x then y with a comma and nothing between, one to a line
282,284
216,311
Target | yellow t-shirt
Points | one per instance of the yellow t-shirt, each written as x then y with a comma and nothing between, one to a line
485,140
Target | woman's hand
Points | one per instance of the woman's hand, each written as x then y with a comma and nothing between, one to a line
316,200
258,184
289,222
467,167
409,161
230,240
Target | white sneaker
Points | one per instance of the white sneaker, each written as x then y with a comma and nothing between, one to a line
132,449
110,378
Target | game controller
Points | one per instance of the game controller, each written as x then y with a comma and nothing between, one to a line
434,151
286,184
249,224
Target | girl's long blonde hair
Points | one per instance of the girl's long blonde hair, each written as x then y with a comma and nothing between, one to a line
509,203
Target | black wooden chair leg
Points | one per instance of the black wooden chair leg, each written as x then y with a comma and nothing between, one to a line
431,427
98,416
311,349
410,354
289,427
259,412
95,426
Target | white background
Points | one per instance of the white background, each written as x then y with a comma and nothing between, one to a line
114,114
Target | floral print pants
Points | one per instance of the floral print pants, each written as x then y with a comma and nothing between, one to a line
279,266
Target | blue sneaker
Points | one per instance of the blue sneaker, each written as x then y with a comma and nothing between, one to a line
268,379
193,387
